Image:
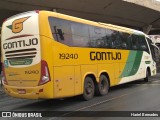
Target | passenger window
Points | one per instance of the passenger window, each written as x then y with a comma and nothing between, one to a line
143,44
80,34
135,43
97,36
126,41
129,42
108,38
61,30
116,40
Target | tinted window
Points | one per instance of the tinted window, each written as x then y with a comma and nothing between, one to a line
143,44
108,38
139,43
135,43
126,41
97,36
152,49
83,35
116,40
80,34
64,26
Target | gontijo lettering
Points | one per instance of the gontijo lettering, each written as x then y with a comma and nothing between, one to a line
105,55
20,43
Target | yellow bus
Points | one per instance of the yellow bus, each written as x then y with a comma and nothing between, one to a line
51,55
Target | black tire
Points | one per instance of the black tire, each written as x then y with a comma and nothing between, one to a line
88,89
146,79
103,86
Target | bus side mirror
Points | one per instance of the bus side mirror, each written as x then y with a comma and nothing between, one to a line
61,34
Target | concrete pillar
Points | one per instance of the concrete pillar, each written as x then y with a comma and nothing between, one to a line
146,29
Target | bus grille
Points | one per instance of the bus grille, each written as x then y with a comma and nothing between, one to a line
21,54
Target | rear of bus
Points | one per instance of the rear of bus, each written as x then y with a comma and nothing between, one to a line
25,71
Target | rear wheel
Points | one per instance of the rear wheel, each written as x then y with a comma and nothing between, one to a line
89,88
146,79
103,86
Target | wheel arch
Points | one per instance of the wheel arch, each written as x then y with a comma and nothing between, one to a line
93,76
149,70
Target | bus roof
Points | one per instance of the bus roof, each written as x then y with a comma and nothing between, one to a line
98,24
76,19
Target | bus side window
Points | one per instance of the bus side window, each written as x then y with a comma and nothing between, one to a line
97,36
61,30
126,43
116,40
135,45
129,42
80,34
143,44
108,39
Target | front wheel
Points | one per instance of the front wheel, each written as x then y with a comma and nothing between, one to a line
103,86
89,88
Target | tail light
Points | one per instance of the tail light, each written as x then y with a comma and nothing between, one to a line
4,75
45,76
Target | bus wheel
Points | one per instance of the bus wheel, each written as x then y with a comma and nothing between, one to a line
146,79
103,86
89,89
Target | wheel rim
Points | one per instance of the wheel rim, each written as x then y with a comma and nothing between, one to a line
103,85
89,88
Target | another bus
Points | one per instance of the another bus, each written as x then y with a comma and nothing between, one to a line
51,55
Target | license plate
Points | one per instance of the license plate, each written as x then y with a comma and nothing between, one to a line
21,91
